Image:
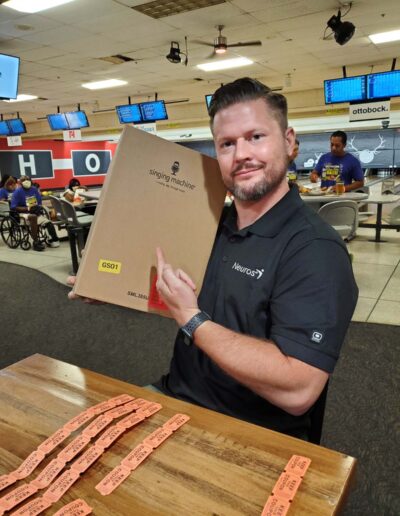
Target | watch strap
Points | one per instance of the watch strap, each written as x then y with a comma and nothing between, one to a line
193,323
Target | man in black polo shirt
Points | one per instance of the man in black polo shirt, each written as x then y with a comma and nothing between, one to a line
265,332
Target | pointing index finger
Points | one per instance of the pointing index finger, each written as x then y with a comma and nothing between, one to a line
160,260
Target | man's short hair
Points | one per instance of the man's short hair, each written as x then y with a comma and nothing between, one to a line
245,89
340,134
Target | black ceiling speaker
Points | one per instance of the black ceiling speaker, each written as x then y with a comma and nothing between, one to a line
174,53
343,31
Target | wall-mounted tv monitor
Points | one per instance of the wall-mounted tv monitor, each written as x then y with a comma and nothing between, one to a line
383,85
208,100
9,70
76,119
58,122
129,114
4,129
348,89
153,111
16,126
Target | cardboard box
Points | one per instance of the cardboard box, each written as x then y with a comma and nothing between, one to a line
156,193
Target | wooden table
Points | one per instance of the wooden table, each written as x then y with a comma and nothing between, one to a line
213,465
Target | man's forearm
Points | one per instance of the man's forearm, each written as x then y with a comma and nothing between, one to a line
258,364
355,185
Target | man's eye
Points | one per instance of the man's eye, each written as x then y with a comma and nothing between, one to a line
226,144
257,136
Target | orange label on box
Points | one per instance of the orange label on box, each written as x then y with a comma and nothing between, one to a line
113,480
137,456
49,473
61,485
33,507
297,465
276,507
76,508
155,300
87,459
286,486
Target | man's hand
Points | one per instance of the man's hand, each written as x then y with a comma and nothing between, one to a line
177,290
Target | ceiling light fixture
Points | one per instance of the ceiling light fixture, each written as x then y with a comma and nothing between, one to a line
343,31
100,85
22,98
28,6
225,64
385,37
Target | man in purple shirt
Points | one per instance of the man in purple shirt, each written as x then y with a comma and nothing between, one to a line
338,165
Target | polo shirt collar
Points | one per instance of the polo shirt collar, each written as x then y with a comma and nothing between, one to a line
269,224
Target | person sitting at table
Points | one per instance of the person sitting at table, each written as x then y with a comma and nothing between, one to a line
26,202
72,191
338,164
262,337
7,190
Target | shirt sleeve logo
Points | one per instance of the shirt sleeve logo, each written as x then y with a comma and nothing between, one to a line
317,336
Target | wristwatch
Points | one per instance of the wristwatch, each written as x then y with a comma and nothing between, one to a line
190,327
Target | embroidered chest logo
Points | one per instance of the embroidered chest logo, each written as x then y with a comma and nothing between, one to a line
254,273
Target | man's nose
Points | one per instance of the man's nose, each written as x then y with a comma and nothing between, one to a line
243,149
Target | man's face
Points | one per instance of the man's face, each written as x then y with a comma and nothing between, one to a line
252,149
337,146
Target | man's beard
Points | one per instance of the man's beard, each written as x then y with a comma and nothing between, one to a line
258,190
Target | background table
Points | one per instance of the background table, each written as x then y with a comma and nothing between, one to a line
379,200
93,194
214,464
323,199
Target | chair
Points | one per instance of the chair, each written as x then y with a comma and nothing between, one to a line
394,218
77,228
342,216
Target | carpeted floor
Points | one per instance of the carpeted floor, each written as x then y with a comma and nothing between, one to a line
362,413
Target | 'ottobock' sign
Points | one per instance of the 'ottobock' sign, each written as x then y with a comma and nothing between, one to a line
33,163
90,162
370,111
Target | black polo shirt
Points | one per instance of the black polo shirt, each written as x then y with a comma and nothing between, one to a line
287,278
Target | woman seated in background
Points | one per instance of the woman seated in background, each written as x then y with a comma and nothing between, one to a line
72,191
7,189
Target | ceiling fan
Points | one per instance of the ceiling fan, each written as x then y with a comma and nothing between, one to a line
221,43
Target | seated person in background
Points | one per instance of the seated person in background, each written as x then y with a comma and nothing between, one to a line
27,203
73,187
338,165
7,190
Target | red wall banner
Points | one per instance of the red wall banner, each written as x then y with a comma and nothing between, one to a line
52,163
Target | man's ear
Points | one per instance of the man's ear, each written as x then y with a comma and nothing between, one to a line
290,137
